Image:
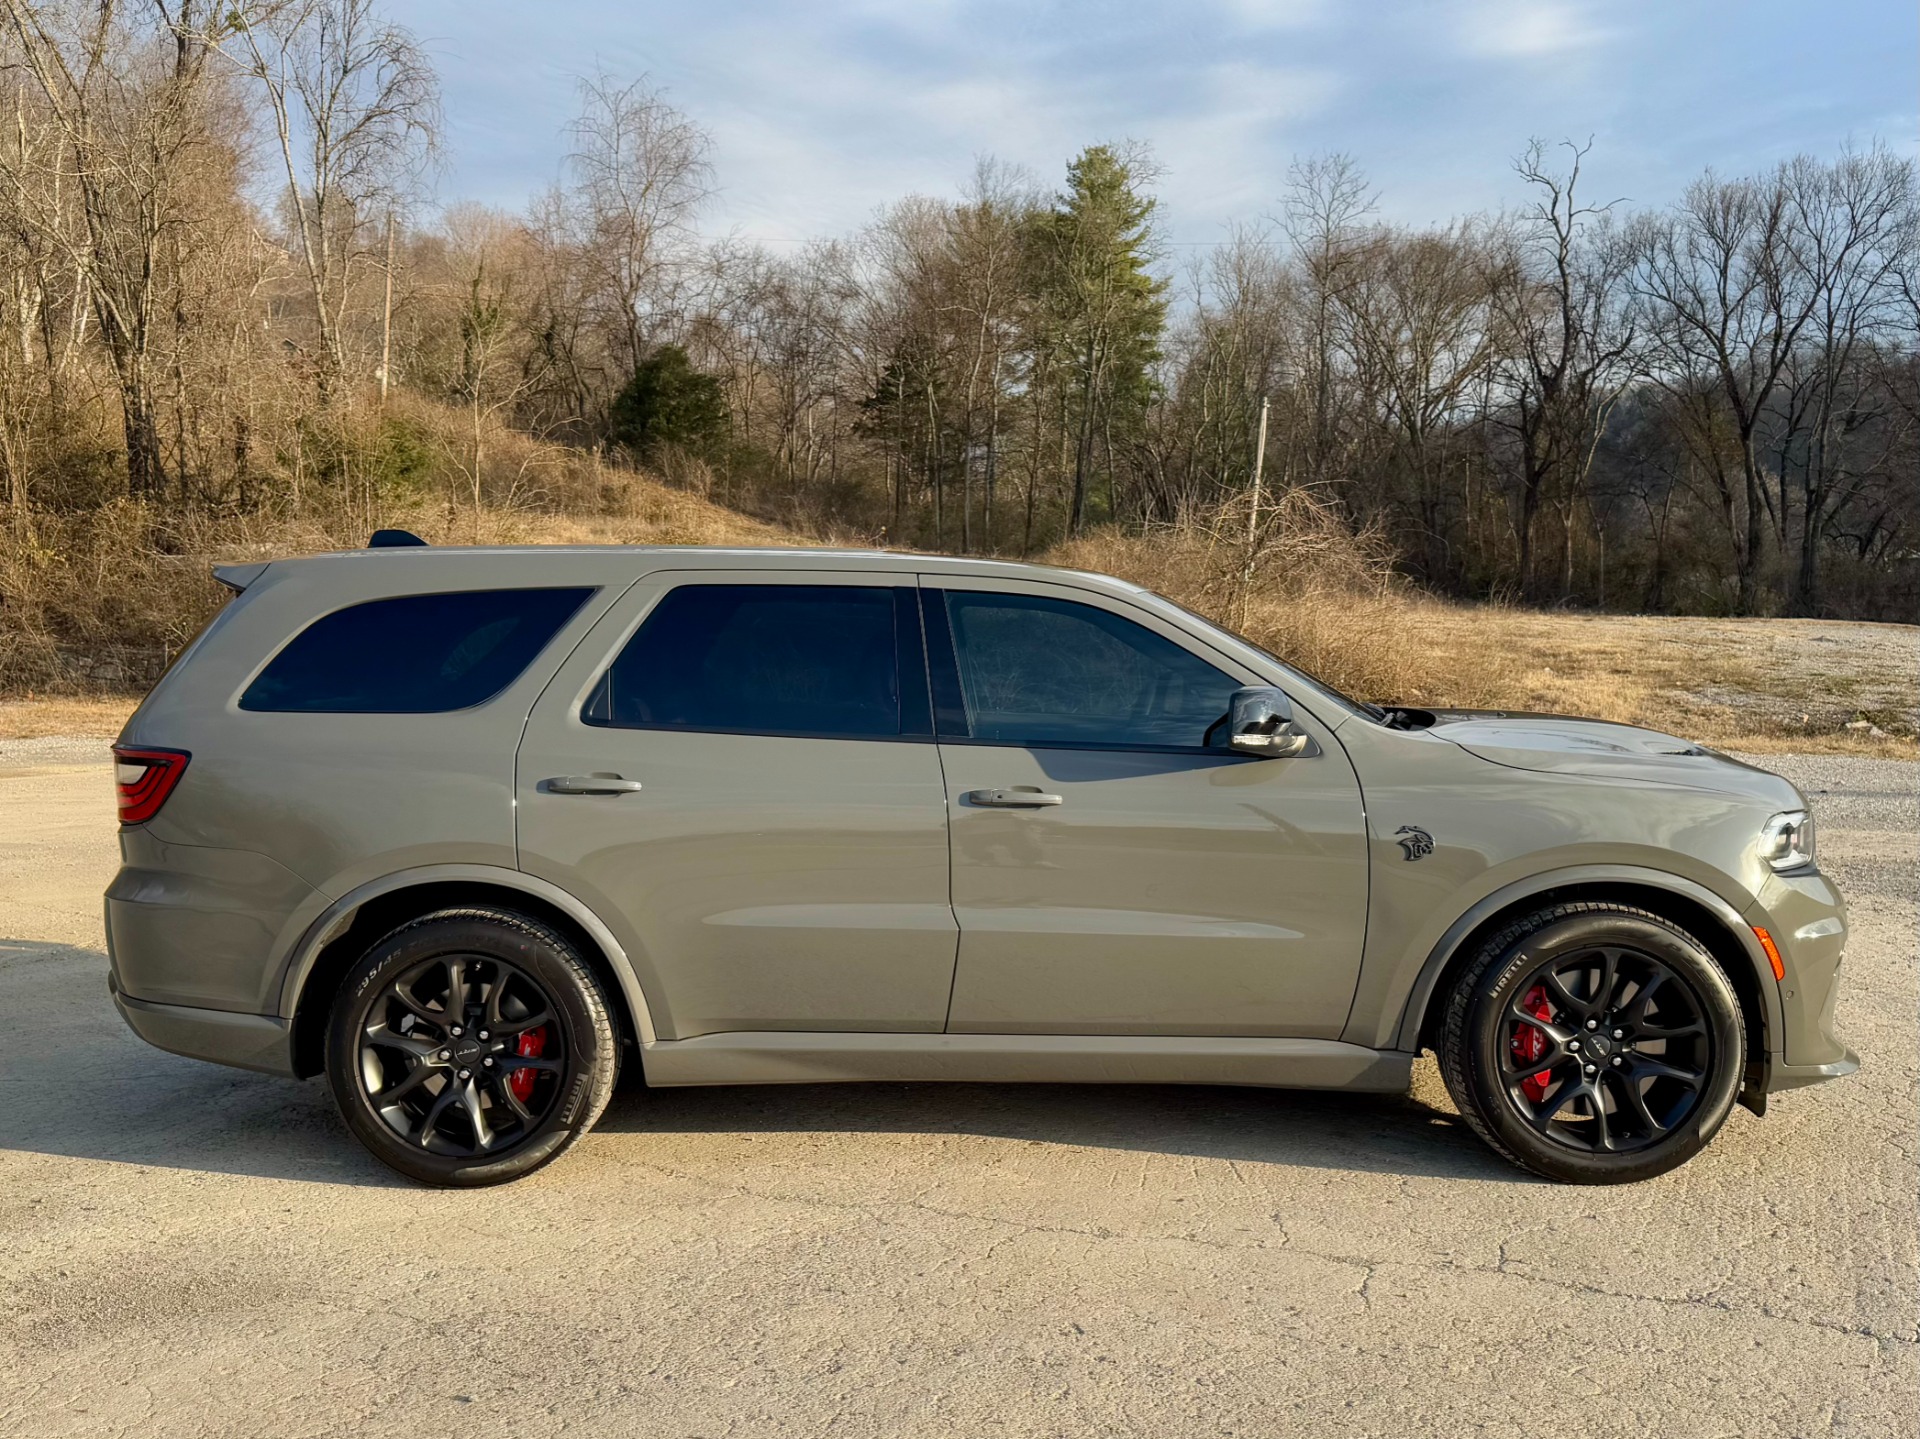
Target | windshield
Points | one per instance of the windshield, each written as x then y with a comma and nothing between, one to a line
1319,687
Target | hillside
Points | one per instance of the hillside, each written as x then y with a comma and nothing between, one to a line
1761,685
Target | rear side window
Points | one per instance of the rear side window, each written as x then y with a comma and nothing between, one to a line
815,660
413,654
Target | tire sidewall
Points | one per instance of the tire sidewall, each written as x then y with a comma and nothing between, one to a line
544,958
1488,1036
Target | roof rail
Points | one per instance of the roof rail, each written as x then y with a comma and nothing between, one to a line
395,540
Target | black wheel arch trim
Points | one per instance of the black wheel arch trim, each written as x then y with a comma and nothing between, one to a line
440,884
1627,884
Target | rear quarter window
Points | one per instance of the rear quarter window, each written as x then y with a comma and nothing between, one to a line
413,654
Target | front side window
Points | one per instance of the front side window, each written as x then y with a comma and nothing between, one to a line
413,654
816,660
1035,670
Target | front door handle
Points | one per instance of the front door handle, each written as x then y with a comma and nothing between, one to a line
591,784
1019,796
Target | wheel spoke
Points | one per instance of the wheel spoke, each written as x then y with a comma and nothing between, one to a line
404,993
439,1107
1609,975
394,1093
1568,1093
470,1101
1646,1066
1683,1031
385,1036
456,987
520,1026
1630,1085
504,1092
1563,998
1602,1132
1636,1013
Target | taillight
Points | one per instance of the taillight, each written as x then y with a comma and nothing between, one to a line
144,778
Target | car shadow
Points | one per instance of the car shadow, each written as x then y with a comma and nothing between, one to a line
80,1085
1367,1133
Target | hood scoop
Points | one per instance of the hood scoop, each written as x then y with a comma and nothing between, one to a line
1580,746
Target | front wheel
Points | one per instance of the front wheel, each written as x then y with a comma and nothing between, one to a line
470,1047
1594,1044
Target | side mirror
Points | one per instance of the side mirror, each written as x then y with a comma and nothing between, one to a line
1260,721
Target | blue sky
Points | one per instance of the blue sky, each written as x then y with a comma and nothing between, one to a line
821,113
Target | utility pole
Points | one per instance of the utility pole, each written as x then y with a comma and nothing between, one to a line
386,323
1253,515
1259,467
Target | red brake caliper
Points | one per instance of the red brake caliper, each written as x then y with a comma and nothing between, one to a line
1528,1043
530,1045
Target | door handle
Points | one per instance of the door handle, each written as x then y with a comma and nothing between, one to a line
1019,796
592,784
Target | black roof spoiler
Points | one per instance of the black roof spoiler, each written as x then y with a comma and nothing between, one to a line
395,540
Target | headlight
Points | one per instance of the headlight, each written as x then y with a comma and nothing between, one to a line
1786,840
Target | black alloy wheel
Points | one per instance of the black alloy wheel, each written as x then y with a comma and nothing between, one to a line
461,1055
470,1047
1608,1050
1594,1043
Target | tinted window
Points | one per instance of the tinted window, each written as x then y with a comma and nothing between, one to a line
766,659
413,654
1045,671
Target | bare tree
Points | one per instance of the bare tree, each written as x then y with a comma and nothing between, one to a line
636,179
1567,340
126,96
1724,307
1845,239
355,109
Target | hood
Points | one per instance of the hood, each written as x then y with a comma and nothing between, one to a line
1562,744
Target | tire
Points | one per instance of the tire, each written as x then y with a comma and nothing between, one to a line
1547,1042
420,1086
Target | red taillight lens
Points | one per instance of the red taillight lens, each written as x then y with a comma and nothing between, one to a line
144,779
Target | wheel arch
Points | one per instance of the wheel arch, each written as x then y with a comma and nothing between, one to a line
1698,910
334,941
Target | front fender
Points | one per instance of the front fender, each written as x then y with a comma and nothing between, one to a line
1404,1008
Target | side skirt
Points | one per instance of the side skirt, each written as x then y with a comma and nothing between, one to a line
798,1057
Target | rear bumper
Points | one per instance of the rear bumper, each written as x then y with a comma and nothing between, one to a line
246,1041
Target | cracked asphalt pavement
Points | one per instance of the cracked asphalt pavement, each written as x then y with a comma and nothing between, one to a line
194,1251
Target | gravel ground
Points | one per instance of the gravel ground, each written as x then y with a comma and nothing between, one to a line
194,1251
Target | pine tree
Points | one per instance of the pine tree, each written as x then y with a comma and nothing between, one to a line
1100,311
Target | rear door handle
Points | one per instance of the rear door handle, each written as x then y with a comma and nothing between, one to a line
591,784
1019,796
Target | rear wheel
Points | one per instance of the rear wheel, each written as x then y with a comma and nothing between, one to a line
470,1047
1594,1043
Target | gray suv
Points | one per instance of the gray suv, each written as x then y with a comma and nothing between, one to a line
473,831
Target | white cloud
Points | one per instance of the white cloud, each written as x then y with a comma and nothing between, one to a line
1275,14
1526,29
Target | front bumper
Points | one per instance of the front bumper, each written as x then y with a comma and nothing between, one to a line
246,1041
1807,918
1799,1076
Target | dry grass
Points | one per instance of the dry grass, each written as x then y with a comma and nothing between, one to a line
1765,686
91,614
65,717
101,601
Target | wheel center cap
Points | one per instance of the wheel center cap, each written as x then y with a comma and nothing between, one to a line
1599,1044
467,1050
